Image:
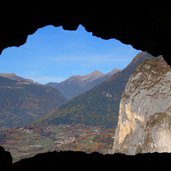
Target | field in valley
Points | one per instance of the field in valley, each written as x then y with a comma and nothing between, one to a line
28,141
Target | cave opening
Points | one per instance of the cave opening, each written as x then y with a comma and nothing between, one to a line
54,56
145,25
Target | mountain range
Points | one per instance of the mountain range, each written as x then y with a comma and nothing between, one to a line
45,120
77,84
100,105
23,101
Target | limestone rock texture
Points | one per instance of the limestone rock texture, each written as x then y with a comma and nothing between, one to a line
144,123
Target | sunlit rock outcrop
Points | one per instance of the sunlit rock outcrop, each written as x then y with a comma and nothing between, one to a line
144,123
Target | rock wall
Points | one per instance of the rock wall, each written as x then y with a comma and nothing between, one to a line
144,123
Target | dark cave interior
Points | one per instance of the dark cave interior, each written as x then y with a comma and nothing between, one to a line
144,25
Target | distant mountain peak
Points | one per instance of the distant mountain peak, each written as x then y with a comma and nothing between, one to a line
8,74
97,72
140,56
88,77
13,76
114,71
92,76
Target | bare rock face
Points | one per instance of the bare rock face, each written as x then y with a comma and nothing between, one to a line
144,123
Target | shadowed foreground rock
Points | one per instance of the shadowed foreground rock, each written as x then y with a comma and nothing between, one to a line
5,159
79,161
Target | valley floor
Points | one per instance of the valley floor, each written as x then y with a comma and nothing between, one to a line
27,141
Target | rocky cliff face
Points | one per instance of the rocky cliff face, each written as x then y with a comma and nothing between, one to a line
144,123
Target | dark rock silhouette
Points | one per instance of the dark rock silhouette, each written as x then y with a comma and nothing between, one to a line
82,161
53,161
146,25
5,159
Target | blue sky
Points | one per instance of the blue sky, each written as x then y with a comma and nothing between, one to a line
52,54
